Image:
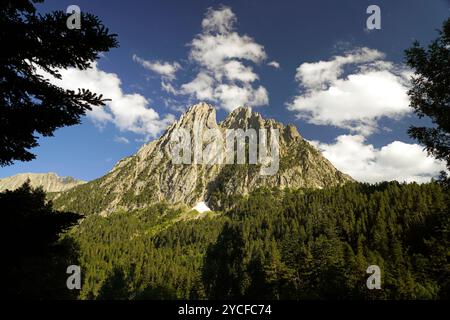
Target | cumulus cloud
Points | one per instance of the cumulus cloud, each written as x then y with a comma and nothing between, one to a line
166,69
222,56
232,96
129,112
396,161
223,62
274,64
373,89
202,86
221,21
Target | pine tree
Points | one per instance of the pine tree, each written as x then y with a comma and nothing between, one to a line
30,104
430,93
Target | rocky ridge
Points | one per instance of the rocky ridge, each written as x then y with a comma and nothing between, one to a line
50,182
150,176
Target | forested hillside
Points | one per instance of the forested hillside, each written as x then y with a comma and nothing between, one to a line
290,244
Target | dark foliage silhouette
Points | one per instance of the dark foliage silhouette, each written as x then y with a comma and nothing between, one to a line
29,104
36,255
430,94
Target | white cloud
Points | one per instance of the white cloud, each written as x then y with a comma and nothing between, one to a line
274,64
319,75
222,58
235,70
201,87
396,161
374,89
221,52
129,112
168,87
213,50
221,21
231,95
121,140
166,69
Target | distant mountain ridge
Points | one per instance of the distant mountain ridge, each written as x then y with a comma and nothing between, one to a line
50,182
150,176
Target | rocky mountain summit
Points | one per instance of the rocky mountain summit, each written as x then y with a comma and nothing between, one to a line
151,176
50,182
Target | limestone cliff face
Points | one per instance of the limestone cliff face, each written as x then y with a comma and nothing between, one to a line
151,176
50,182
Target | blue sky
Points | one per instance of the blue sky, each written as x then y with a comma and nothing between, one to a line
159,35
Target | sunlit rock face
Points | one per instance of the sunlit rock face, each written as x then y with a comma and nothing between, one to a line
151,176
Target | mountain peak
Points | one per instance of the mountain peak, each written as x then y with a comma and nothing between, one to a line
242,111
202,113
243,118
201,107
151,176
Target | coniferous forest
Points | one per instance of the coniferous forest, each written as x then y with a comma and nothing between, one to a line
291,244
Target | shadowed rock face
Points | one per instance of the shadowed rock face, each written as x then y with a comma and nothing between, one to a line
150,176
50,182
